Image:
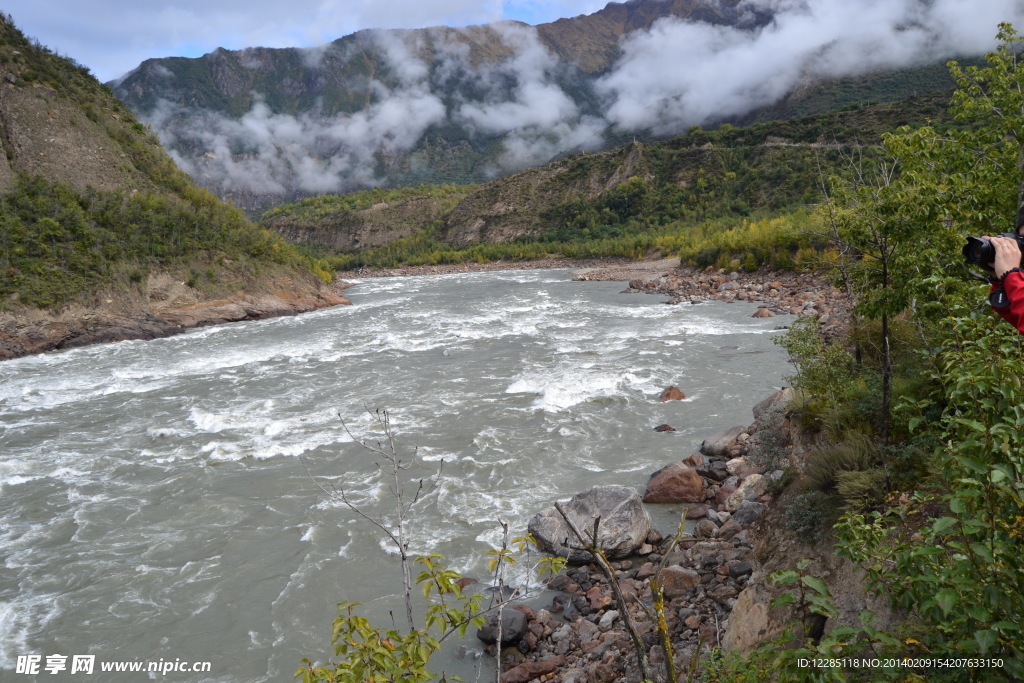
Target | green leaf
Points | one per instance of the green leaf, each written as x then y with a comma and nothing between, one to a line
816,584
783,600
943,524
986,639
946,599
784,577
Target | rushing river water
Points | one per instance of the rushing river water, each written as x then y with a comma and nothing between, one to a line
153,504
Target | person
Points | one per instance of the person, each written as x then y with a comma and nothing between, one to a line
1008,275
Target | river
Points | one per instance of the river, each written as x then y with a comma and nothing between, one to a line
154,498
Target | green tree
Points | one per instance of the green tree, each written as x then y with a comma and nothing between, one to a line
963,571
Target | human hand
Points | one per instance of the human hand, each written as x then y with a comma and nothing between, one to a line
1008,255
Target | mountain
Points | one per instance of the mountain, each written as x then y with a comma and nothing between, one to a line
441,105
729,173
102,237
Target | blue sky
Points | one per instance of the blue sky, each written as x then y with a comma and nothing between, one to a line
112,37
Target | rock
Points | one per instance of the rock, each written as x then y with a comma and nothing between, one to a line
738,568
763,312
695,460
664,428
697,512
677,581
722,495
736,465
729,529
529,671
513,627
706,529
671,394
625,523
719,443
676,483
780,399
752,487
748,512
646,571
598,599
609,618
714,469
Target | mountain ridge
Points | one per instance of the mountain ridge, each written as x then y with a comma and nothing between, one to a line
439,105
102,237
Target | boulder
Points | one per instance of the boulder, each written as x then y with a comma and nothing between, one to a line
751,488
736,465
713,469
718,444
695,459
780,398
529,671
513,627
676,483
671,394
677,581
697,512
763,313
747,512
625,524
706,529
664,428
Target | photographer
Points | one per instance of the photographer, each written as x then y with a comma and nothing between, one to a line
1008,275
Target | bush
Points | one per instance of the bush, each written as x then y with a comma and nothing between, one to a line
862,490
829,461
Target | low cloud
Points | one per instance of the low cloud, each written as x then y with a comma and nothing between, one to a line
682,73
526,106
677,74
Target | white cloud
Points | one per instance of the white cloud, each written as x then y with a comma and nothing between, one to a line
680,73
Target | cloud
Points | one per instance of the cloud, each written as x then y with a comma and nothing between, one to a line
676,74
682,73
273,153
526,105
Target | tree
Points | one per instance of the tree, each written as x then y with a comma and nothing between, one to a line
962,572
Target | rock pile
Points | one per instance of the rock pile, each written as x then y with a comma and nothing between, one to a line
580,637
777,292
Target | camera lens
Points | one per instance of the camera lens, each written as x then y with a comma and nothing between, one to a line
979,250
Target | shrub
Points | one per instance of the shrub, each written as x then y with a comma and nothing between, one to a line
829,461
862,490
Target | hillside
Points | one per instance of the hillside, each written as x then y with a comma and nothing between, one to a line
632,191
101,235
440,105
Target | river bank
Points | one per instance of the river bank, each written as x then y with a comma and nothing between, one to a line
163,307
716,579
725,488
779,292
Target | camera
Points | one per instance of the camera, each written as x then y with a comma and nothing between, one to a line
982,252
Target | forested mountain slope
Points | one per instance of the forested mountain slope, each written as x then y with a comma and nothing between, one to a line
95,216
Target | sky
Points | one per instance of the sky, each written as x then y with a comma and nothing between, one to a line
112,37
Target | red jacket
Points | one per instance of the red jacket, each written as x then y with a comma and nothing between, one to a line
1013,285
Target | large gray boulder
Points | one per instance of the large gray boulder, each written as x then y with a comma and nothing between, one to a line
625,524
718,444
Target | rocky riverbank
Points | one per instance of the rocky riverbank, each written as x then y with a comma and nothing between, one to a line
726,489
163,307
776,292
715,577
